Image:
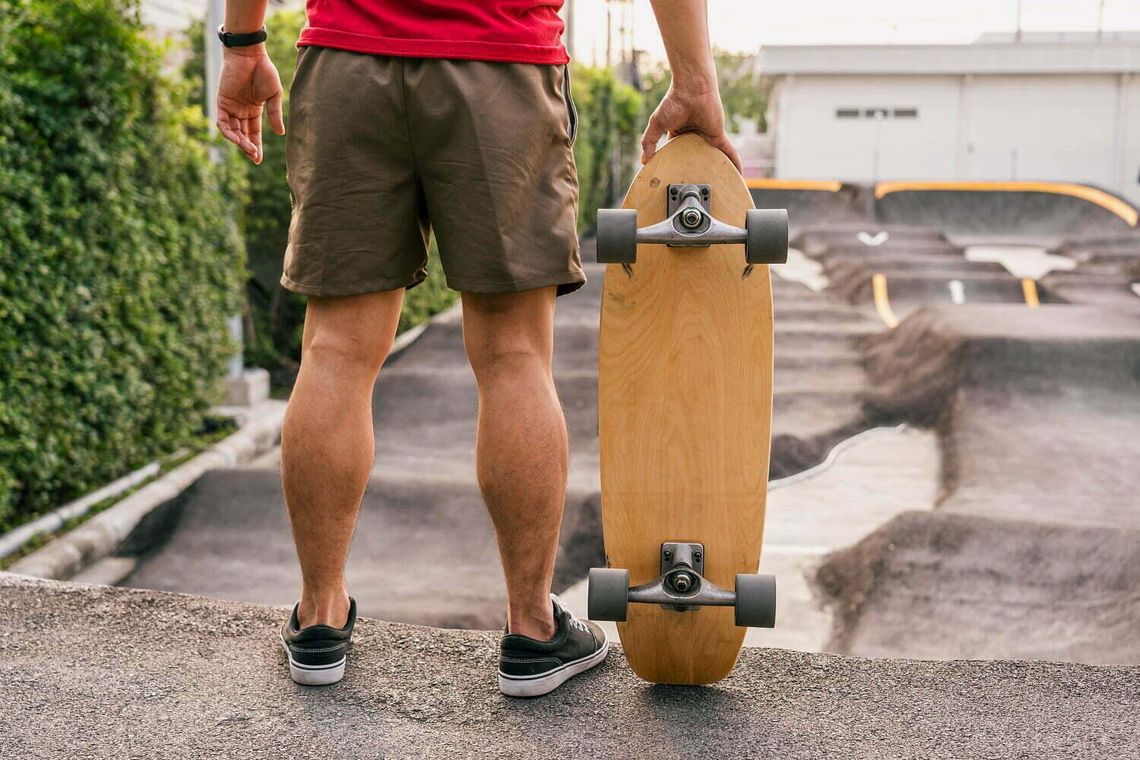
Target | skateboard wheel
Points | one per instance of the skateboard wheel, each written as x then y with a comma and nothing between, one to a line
608,594
767,241
617,236
755,600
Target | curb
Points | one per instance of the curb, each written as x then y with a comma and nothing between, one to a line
104,533
15,539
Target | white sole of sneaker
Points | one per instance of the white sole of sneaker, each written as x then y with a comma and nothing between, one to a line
536,686
314,675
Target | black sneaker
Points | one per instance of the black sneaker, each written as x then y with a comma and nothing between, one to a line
530,668
317,653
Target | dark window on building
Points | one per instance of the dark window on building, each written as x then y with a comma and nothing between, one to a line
876,113
847,113
906,113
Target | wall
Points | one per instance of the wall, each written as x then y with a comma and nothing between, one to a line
813,143
1082,128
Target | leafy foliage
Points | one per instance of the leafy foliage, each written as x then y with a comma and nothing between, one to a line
119,259
607,142
742,91
613,115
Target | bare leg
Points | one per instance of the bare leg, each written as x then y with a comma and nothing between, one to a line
521,447
327,442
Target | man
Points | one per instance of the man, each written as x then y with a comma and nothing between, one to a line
454,116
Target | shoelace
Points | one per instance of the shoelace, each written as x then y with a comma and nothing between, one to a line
579,625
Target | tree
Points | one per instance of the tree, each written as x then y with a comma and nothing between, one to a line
744,95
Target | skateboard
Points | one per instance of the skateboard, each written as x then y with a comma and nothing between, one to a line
684,413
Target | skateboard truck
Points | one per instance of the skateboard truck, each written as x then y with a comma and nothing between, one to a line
682,587
690,224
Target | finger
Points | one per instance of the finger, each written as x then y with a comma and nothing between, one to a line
649,140
276,115
223,124
253,129
729,150
247,147
227,133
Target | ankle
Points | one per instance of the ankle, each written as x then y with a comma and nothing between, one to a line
536,622
324,608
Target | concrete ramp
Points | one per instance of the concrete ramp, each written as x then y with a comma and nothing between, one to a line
1030,212
808,202
1034,547
1037,213
954,586
424,551
112,673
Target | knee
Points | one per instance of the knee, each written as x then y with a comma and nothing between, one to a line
506,360
346,354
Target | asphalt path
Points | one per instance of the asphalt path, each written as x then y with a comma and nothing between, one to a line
96,672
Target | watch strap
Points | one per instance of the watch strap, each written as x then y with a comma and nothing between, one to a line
229,39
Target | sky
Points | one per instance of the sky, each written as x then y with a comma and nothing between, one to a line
744,25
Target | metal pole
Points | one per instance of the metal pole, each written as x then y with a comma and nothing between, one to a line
570,27
1018,35
215,16
609,34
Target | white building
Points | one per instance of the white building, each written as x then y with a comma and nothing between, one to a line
1061,107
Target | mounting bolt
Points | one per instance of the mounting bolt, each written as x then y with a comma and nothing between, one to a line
682,582
697,556
668,554
691,218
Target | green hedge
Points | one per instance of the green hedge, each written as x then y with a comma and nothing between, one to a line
608,113
119,258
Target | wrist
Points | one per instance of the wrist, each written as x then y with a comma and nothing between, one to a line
248,51
695,84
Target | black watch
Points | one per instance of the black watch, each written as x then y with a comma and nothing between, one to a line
229,39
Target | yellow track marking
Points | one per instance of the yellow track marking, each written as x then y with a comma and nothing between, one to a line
1029,288
768,183
882,302
1107,201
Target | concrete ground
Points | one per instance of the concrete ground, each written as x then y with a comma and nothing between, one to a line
96,672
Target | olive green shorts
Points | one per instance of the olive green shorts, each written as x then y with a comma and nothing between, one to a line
382,151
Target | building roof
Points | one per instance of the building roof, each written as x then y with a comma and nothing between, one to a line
1036,53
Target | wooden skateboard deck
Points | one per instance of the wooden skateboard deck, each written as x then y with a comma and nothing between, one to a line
685,408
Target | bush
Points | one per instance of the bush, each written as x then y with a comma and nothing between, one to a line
608,114
119,259
743,92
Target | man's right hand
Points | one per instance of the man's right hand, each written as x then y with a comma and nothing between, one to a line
682,111
249,81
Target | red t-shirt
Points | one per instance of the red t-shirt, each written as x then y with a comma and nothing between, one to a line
513,31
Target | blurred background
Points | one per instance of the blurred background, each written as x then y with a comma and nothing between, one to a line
957,413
